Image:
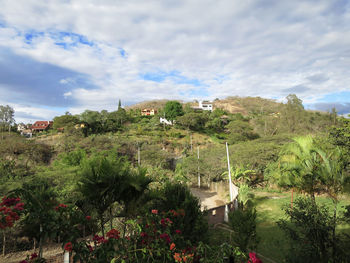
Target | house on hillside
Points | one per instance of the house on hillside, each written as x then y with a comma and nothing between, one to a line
165,121
148,112
204,105
21,127
40,126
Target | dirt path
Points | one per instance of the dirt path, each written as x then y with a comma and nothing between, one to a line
208,198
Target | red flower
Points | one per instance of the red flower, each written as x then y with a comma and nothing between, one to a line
178,231
60,206
113,233
99,239
174,212
88,218
165,221
19,206
90,248
68,247
143,234
172,246
154,211
34,255
165,237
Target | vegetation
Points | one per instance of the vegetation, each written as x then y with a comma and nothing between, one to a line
105,174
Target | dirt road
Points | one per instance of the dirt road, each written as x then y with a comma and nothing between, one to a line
208,198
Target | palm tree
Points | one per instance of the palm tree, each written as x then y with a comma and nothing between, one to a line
335,180
300,166
102,184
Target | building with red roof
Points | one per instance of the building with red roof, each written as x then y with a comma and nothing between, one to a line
42,126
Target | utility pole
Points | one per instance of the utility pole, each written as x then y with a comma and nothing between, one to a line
191,142
199,176
229,174
138,154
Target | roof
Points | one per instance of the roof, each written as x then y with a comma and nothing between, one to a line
41,125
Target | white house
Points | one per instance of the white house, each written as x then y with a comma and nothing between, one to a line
205,105
163,120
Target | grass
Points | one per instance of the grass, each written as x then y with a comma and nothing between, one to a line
273,243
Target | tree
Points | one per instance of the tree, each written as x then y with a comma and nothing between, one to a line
293,112
240,130
310,228
340,134
6,116
102,183
172,109
299,166
39,198
192,120
66,121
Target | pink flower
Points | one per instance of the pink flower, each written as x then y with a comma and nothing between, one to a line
88,218
253,258
178,231
154,211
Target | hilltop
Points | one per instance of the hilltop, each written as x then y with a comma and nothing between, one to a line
233,104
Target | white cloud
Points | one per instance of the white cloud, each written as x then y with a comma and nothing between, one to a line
259,49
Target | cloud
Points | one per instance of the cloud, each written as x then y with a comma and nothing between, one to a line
318,78
93,53
297,89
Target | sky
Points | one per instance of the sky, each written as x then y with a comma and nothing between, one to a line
73,55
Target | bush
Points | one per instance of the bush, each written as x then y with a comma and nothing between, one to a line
243,223
178,196
310,228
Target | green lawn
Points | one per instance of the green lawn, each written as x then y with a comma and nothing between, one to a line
273,243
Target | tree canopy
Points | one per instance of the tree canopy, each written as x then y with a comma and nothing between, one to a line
172,109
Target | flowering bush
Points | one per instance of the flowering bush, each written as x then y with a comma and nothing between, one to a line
153,237
9,211
33,258
253,258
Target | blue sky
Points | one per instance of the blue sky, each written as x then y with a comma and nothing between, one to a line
72,55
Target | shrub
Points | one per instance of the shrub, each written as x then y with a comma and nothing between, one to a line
178,196
243,223
310,228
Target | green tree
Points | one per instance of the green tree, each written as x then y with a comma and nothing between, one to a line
172,109
192,120
240,130
40,199
310,228
102,183
6,117
340,134
294,112
65,121
299,166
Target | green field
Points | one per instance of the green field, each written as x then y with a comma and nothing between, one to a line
273,243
